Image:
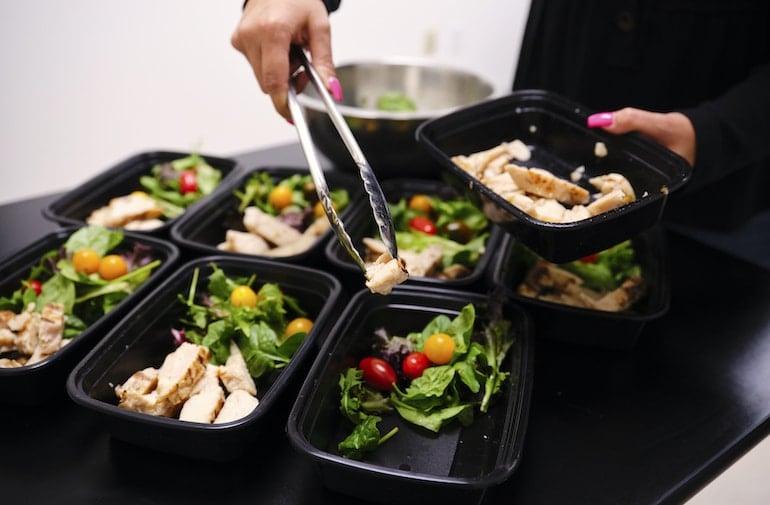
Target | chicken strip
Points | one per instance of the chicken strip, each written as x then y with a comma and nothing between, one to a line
385,273
543,183
235,373
237,405
269,227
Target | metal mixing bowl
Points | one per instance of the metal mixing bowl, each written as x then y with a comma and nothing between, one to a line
387,138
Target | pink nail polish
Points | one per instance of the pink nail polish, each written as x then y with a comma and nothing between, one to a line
335,88
600,119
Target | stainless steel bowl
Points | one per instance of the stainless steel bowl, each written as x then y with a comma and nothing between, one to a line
387,138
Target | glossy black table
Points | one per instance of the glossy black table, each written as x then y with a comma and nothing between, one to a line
648,426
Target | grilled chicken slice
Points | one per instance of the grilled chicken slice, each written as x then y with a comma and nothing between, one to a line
243,242
180,371
50,332
418,264
122,210
543,183
385,273
140,383
269,227
206,400
237,405
235,374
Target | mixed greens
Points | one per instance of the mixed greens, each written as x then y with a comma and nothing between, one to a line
260,322
294,199
454,224
177,184
86,293
443,389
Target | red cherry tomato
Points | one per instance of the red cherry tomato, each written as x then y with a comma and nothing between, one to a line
35,285
414,364
422,224
188,182
378,373
591,258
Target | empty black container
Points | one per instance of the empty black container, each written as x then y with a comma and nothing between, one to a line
416,466
143,339
76,205
588,327
45,380
361,224
555,130
203,228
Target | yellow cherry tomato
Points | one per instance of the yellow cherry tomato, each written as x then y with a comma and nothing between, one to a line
280,196
243,296
439,348
421,203
297,325
112,266
86,261
318,209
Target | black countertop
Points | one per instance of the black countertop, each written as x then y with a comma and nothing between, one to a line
647,426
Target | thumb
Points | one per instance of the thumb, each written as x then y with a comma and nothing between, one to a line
319,45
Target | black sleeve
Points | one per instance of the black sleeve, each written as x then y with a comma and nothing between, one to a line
732,130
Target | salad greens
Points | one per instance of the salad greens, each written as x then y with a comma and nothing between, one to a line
444,212
85,297
603,271
443,393
214,321
395,101
164,183
257,189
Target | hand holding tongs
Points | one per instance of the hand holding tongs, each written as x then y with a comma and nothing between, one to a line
376,199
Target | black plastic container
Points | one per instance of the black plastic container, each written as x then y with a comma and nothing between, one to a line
555,130
415,466
143,339
587,327
361,224
203,228
45,380
74,207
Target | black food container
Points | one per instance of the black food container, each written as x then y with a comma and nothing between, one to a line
361,224
143,339
44,381
583,326
554,128
76,205
203,228
456,465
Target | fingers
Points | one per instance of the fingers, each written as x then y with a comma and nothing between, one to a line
672,129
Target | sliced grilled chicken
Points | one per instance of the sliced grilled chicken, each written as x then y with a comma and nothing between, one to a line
237,405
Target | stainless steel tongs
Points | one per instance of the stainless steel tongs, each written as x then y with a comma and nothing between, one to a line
377,201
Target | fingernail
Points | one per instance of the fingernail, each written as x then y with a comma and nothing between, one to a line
335,88
289,120
600,119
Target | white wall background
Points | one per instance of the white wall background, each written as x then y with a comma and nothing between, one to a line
87,83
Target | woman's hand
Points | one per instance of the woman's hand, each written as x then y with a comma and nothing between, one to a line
264,35
671,129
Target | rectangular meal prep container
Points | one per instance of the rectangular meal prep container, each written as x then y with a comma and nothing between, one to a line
554,128
361,224
45,380
74,207
201,229
415,466
142,338
583,326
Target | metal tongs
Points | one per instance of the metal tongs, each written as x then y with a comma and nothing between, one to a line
377,201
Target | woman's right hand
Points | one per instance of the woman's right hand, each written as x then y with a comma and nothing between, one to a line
264,35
